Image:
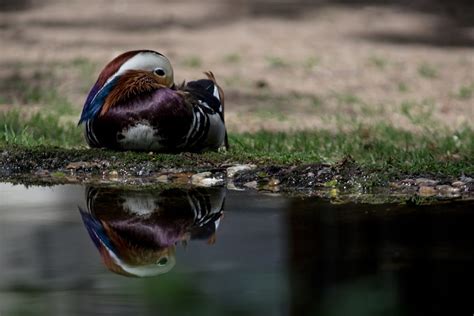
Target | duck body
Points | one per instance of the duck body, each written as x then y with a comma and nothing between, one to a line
138,109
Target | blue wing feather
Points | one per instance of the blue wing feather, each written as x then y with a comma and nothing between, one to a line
94,104
96,230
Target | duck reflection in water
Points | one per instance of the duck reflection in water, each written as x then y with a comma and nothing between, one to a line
136,231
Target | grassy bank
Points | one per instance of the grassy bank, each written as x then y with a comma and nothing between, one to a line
379,149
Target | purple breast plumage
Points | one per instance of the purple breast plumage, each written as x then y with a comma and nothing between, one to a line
135,105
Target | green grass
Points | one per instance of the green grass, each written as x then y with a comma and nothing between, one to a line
276,62
378,62
269,114
402,87
37,130
192,62
38,88
233,58
382,149
428,71
465,92
18,88
311,62
346,98
419,113
87,70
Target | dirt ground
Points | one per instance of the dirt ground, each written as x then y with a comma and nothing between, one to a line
316,67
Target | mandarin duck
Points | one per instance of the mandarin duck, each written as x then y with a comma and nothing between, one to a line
136,232
135,105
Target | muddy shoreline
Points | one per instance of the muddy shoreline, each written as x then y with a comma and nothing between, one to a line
341,182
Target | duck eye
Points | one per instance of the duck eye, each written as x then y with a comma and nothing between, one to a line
163,261
159,72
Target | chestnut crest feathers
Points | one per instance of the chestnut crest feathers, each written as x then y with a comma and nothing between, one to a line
147,61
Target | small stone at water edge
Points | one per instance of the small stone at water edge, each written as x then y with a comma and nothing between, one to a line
427,191
113,174
231,171
458,184
425,182
205,179
447,190
251,184
162,178
273,182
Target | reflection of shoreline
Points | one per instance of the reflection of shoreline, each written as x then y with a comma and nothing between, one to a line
136,231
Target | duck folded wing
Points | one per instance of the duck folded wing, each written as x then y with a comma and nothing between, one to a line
204,90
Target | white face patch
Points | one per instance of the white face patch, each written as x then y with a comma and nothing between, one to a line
140,137
147,61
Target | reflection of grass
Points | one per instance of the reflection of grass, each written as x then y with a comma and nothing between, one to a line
167,293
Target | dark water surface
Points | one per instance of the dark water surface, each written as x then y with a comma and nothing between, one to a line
74,250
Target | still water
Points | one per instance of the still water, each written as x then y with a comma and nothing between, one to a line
75,250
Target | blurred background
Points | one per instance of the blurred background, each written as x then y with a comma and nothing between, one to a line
284,65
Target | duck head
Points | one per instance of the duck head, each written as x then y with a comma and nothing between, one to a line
126,76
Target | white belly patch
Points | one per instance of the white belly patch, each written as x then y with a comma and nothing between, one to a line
140,137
